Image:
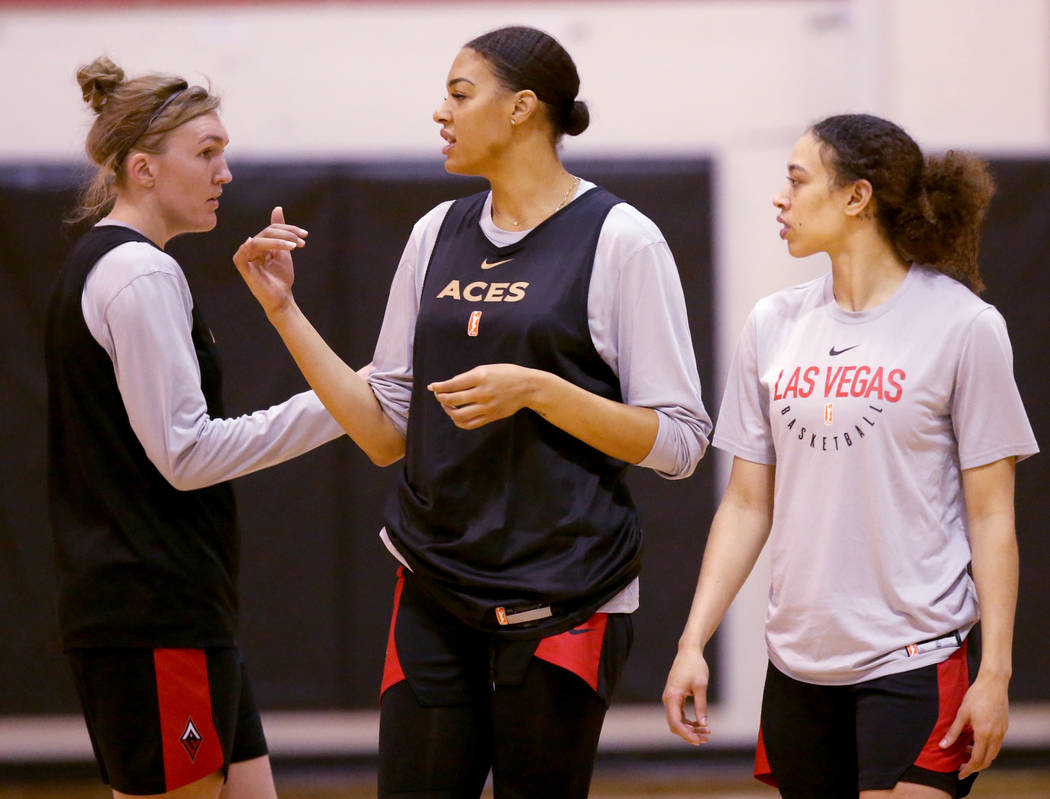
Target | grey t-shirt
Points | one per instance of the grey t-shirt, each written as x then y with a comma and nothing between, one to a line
870,418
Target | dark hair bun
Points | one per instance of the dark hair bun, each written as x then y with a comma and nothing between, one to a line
578,118
98,80
527,58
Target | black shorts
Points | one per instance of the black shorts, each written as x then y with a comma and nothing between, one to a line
160,719
458,702
445,661
834,741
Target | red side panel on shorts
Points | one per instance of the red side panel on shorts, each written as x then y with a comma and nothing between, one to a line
953,680
392,672
579,650
763,773
191,745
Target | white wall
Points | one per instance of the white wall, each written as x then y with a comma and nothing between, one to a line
334,79
736,79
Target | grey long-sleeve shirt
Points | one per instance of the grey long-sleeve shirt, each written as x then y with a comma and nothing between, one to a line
636,315
637,319
138,307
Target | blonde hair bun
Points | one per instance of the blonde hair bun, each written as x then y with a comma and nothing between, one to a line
98,80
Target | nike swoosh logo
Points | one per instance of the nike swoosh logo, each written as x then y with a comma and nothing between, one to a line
833,352
486,265
581,631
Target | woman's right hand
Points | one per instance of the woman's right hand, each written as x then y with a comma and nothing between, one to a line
265,262
688,678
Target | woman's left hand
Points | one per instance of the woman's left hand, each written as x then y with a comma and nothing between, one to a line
985,709
485,393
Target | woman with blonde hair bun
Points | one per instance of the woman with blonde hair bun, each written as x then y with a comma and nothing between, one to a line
140,456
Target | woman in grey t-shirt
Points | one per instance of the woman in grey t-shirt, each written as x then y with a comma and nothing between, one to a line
875,423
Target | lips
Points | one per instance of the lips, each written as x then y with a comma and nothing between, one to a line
450,139
785,227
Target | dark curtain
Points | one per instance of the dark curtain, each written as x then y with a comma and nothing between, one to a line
1015,262
316,583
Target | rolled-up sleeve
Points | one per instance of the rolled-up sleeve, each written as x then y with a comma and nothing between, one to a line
639,326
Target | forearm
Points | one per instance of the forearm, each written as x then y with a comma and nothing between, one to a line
995,573
344,392
989,492
738,532
209,451
143,322
733,546
621,431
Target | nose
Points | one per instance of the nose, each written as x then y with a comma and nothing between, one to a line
224,175
780,200
441,115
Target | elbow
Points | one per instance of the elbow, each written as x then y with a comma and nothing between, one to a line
385,458
180,471
386,445
678,470
695,452
388,451
685,454
181,482
681,472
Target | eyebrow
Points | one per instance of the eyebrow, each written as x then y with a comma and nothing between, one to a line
212,137
454,81
797,168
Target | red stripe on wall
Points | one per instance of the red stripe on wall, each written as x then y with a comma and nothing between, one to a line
191,745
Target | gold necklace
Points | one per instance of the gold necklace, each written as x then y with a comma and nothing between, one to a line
562,204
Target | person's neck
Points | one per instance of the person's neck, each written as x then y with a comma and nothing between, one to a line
866,273
530,188
136,216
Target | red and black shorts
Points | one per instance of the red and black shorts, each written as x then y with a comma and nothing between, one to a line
160,719
458,702
833,741
447,662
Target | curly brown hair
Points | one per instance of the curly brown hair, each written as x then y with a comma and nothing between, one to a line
136,113
931,208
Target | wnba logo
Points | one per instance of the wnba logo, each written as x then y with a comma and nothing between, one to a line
827,414
474,323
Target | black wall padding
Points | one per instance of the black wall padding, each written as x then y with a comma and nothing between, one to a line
1015,262
316,583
